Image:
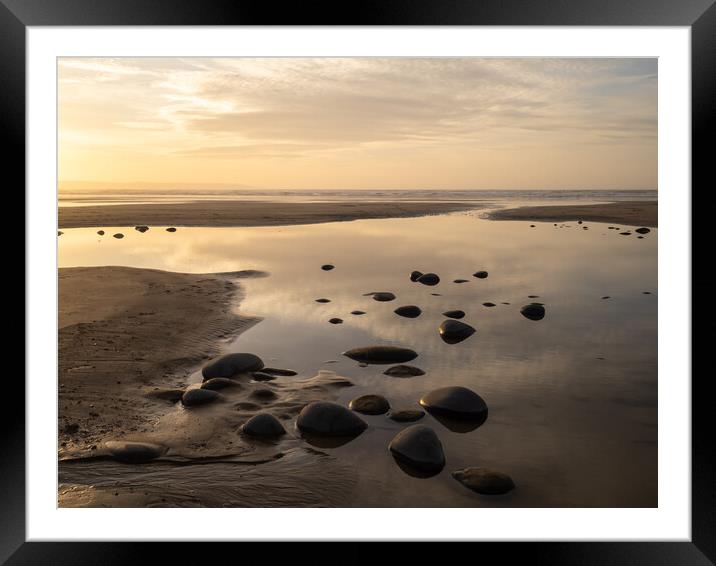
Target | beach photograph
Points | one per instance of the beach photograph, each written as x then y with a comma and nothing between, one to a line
357,282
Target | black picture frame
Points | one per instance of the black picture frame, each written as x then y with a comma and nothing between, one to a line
699,15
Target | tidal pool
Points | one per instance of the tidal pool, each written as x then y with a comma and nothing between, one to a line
572,397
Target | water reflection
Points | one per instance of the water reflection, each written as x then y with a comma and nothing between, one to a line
572,397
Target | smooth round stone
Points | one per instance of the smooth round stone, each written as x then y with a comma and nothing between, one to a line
336,321
134,452
261,376
172,229
217,383
455,401
454,314
323,300
429,279
327,267
323,418
415,275
454,331
460,281
406,415
263,394
230,365
381,354
100,232
480,274
370,405
408,311
141,229
485,481
642,230
279,371
488,304
533,311
118,235
263,425
419,447
194,397
383,296
357,313
403,371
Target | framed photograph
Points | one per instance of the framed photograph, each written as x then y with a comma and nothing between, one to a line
418,274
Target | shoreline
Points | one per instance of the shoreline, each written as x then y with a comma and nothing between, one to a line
246,213
632,213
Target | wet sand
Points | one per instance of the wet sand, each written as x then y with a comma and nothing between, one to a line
245,213
632,213
126,336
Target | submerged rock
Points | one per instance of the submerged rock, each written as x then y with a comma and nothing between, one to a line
327,267
357,313
217,383
480,274
485,481
420,447
262,376
141,229
415,275
336,321
381,354
460,280
429,279
263,394
194,397
263,425
456,402
370,405
454,314
134,452
406,415
279,371
625,233
171,229
118,235
323,418
408,311
488,304
454,331
383,296
642,230
403,371
533,311
323,300
230,365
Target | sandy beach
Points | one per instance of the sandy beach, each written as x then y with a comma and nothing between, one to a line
633,213
245,213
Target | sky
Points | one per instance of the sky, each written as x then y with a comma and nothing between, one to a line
361,123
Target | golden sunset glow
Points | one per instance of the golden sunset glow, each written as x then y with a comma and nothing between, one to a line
301,123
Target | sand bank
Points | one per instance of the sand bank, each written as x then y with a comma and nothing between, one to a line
127,334
632,213
245,213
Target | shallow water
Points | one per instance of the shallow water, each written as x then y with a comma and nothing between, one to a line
572,398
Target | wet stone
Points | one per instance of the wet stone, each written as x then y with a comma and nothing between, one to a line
460,280
263,425
456,402
357,313
141,229
336,321
262,376
100,232
118,235
230,365
480,274
195,397
485,481
263,394
279,371
171,229
381,354
323,418
383,296
323,300
454,331
488,304
419,447
327,267
403,371
642,230
454,314
408,311
370,405
217,383
533,311
134,452
406,415
415,275
430,279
